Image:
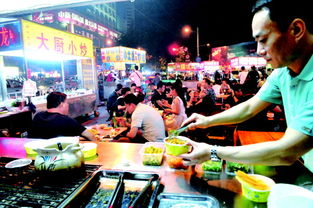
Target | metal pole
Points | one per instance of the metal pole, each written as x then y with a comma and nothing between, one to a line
198,53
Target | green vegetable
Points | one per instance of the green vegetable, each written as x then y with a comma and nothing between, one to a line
211,166
233,167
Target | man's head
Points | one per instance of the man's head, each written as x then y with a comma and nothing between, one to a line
161,86
206,83
131,102
282,30
118,87
125,91
136,68
57,102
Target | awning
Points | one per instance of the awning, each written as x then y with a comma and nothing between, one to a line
19,7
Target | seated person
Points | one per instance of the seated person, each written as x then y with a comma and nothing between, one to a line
206,103
177,110
158,98
55,121
120,101
146,123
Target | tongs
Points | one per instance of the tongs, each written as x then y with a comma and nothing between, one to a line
141,200
176,132
116,199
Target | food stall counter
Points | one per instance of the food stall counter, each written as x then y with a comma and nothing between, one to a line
126,157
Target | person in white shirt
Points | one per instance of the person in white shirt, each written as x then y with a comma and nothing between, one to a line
146,122
242,75
136,77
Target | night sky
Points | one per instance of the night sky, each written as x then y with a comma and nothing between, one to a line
220,22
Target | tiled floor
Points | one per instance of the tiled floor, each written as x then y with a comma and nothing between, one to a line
92,120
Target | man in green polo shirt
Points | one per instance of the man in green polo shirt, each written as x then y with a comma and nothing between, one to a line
284,34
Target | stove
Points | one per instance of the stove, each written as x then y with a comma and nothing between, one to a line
26,187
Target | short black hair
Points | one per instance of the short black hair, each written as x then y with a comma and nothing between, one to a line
118,87
54,99
283,12
131,98
124,90
160,85
133,84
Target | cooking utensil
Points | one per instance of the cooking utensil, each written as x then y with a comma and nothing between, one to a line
176,132
116,199
143,198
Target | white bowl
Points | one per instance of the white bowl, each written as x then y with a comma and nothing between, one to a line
289,196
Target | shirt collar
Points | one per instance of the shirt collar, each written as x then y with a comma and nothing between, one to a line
307,72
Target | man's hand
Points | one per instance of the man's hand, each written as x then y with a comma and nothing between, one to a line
199,154
195,121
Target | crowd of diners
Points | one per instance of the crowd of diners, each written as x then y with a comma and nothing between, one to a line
150,111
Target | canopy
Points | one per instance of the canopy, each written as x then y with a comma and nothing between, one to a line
19,7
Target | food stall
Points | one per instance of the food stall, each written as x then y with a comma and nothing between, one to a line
120,60
187,70
55,60
238,62
114,158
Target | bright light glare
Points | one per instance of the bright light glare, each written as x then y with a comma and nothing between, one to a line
173,49
109,42
186,31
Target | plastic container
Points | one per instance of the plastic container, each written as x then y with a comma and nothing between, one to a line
152,153
255,194
176,149
89,149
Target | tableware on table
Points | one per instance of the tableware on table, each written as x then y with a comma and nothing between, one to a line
57,154
176,145
19,163
89,149
289,196
255,187
152,153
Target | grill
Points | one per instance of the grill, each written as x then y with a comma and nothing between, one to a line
26,187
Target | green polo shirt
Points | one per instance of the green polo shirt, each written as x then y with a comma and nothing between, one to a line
296,95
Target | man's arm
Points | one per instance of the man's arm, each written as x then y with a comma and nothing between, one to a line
88,135
236,114
281,152
133,132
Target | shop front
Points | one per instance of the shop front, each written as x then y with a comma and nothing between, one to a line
53,60
119,61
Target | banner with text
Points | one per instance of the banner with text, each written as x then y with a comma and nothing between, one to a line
38,37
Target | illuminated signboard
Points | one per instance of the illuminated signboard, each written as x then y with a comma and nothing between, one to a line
123,54
10,36
38,37
247,61
192,66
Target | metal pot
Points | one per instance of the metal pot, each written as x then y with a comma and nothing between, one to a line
56,155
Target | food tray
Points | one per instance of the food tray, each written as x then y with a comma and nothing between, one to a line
154,159
243,167
178,200
103,184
